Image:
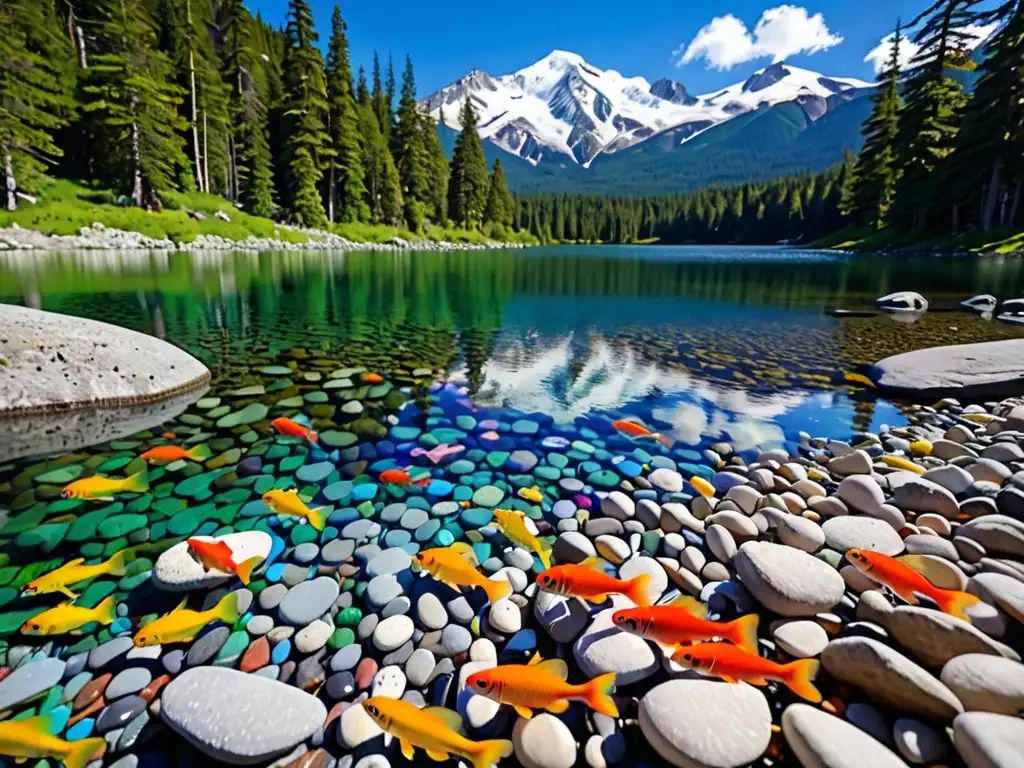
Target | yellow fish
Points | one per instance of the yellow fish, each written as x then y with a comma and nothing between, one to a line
32,737
531,494
182,625
513,524
289,503
434,729
70,618
74,572
899,462
99,488
703,487
456,567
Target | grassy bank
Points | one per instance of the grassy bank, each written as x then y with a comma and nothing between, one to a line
866,239
65,206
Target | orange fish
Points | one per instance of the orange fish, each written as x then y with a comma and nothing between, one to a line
373,378
456,565
291,428
165,454
684,620
637,431
169,435
402,477
904,577
589,581
217,555
732,664
541,685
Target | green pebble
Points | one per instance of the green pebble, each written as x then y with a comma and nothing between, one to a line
207,403
604,478
45,537
251,413
120,525
550,474
315,397
252,391
289,402
115,464
488,496
303,534
276,370
334,439
291,463
341,637
216,413
348,617
232,650
497,459
232,456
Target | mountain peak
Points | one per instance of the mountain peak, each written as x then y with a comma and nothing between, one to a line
670,90
767,77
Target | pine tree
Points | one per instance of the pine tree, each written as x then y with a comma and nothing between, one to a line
308,144
132,102
381,106
498,208
467,185
873,185
345,181
410,153
389,97
383,188
34,101
438,171
362,94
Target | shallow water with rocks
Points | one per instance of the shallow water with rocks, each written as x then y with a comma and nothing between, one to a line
489,375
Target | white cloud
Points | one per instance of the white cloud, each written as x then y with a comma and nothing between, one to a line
878,56
781,32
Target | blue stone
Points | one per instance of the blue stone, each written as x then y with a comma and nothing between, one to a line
476,517
662,462
314,473
426,531
120,624
385,448
340,517
629,468
280,652
417,502
521,646
388,562
83,729
275,572
405,433
338,491
397,538
254,509
364,492
554,443
438,489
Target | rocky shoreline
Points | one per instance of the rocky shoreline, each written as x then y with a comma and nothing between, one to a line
100,237
332,617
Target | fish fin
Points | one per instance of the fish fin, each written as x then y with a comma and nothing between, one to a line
488,753
437,756
595,563
599,695
118,563
954,602
449,717
555,667
558,706
199,453
926,566
636,589
756,681
524,712
180,606
317,518
137,483
665,440
422,482
691,605
466,551
71,564
730,680
245,568
797,675
535,660
227,609
743,632
497,590
106,612
545,555
596,599
407,749
81,753
65,591
313,437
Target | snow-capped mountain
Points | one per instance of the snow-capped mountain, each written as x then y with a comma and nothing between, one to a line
563,108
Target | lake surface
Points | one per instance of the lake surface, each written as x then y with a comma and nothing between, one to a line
704,343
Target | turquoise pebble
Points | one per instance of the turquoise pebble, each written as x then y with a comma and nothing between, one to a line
629,468
120,624
81,730
438,489
461,467
466,422
364,492
314,473
281,651
558,460
482,550
488,496
398,538
404,434
547,473
605,478
275,572
444,538
476,518
59,717
525,427
338,491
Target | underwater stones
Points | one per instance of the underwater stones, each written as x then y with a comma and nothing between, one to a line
985,369
224,714
667,480
706,724
788,581
821,740
390,561
618,505
603,648
177,570
393,632
988,740
853,532
250,414
30,680
563,618
488,496
986,683
544,741
308,600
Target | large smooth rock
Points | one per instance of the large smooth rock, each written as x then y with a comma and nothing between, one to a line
788,581
239,718
114,381
308,600
603,648
820,740
176,570
998,589
30,680
987,740
889,677
987,369
915,493
849,532
934,637
544,741
705,723
998,534
986,683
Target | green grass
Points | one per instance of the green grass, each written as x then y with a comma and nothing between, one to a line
867,239
65,206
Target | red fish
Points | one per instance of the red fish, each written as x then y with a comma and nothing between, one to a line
589,581
732,664
684,620
904,577
291,428
637,431
217,555
401,477
165,454
373,378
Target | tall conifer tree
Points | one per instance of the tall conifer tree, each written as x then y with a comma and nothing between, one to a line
346,188
410,153
498,208
467,185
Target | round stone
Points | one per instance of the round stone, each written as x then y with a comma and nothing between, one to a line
431,612
988,740
853,532
919,743
313,636
419,666
176,570
544,741
393,632
667,480
820,740
786,580
308,600
801,639
489,496
505,616
985,683
603,648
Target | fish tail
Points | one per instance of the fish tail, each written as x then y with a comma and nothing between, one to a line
488,753
317,518
227,609
106,611
81,753
313,436
244,569
544,553
423,482
199,453
665,440
118,563
137,483
636,590
858,378
599,695
954,602
497,590
743,632
798,676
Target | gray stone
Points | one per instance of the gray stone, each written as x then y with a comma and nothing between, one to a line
788,581
604,648
988,740
919,743
338,550
130,680
563,618
430,611
998,534
986,369
703,723
860,493
419,666
205,648
346,658
986,683
854,532
120,713
272,596
103,654
308,600
935,637
915,493
30,680
820,740
1004,592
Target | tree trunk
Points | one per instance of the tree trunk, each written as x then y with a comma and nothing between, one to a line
1016,204
232,193
193,107
994,187
330,193
206,155
136,165
12,184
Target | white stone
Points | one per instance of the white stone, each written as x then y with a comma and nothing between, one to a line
393,632
667,479
857,462
720,542
355,726
973,370
860,493
176,570
314,636
419,666
544,741
855,532
431,612
986,683
799,532
603,648
389,681
788,581
657,578
505,616
987,740
802,639
820,740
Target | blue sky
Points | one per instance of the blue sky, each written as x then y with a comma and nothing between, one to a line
447,39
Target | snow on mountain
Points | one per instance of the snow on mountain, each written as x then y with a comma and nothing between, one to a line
562,108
